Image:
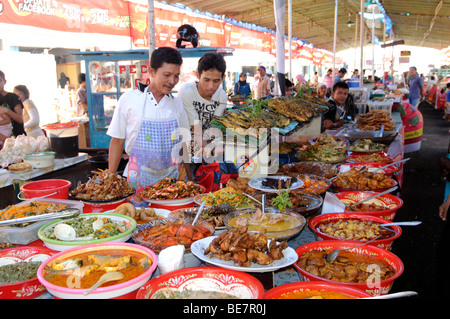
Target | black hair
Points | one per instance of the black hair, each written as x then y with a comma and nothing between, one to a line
288,83
167,55
24,90
340,84
81,78
187,33
448,85
211,61
2,75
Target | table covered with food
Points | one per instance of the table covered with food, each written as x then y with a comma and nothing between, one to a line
313,229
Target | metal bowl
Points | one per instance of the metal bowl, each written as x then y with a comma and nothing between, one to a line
280,235
387,138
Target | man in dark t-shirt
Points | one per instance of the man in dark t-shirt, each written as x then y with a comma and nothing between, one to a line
11,105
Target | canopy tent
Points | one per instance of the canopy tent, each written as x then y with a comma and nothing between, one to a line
417,22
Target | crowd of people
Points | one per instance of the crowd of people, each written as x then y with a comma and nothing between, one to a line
18,113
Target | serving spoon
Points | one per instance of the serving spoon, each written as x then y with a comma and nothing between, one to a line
199,212
381,130
395,295
397,162
109,276
412,223
374,196
263,200
335,252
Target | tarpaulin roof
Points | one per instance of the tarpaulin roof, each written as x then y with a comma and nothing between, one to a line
417,22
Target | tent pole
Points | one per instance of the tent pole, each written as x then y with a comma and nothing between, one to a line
335,36
290,37
151,27
361,36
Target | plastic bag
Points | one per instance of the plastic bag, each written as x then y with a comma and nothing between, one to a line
42,144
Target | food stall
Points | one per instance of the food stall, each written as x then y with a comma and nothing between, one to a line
256,237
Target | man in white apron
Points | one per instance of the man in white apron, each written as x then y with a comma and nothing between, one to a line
151,124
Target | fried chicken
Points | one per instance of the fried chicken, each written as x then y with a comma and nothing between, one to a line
244,248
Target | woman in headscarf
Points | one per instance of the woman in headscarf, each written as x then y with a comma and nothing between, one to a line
242,87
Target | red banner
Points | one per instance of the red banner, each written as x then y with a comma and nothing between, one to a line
129,18
243,38
106,17
318,57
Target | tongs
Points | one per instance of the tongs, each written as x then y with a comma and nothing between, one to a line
67,213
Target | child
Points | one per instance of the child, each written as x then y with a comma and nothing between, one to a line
5,127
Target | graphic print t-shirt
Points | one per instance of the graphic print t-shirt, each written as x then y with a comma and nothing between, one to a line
197,108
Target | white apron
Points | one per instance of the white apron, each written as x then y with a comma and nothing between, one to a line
151,158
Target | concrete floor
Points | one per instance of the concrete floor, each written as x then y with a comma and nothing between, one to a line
422,193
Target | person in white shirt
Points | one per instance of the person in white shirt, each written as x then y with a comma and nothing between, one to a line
315,78
205,98
151,124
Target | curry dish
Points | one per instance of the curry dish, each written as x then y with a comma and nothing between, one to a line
84,270
347,267
355,179
353,229
270,222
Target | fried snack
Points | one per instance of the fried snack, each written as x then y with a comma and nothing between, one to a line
104,185
241,185
372,158
362,180
373,120
141,215
170,188
126,209
19,167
